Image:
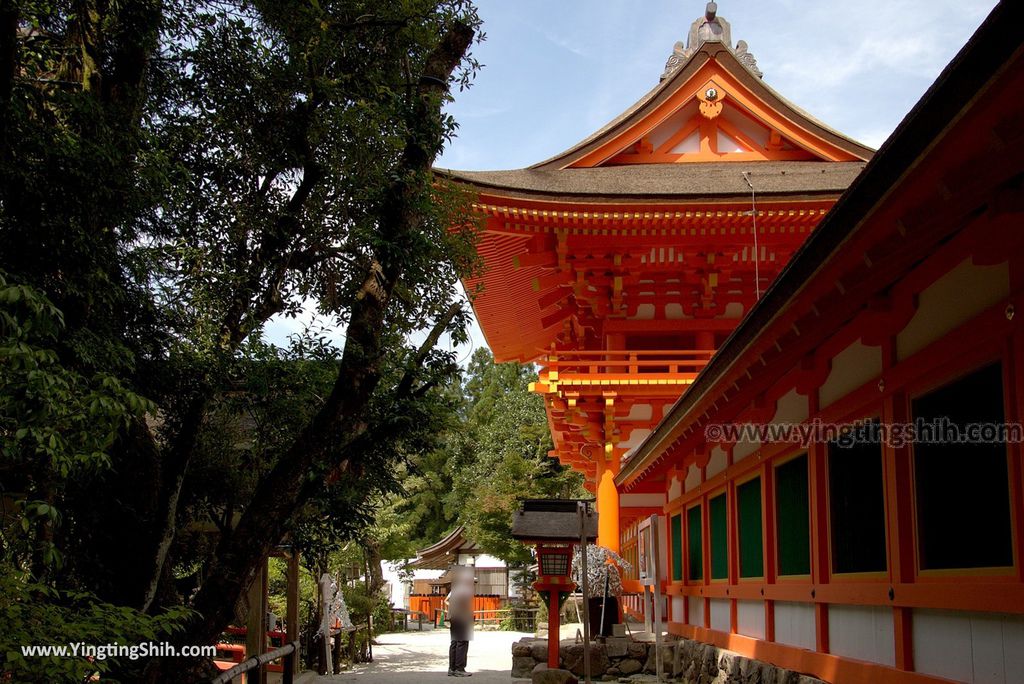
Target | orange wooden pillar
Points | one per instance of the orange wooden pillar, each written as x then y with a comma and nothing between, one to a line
608,500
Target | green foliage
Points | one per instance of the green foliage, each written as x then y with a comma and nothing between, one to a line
492,452
277,594
361,604
34,614
55,422
50,414
507,457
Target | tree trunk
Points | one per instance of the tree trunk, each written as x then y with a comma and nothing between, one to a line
374,571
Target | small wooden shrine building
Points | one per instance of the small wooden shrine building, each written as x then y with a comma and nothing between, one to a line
491,574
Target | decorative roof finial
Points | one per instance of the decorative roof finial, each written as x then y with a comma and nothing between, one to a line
709,28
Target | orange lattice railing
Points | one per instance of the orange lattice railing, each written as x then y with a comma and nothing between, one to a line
621,367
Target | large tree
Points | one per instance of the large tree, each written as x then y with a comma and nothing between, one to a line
172,176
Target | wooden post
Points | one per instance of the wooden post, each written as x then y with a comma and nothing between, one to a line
290,661
292,608
324,647
336,647
656,591
369,637
256,625
581,509
553,641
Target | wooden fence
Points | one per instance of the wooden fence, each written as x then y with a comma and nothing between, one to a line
433,605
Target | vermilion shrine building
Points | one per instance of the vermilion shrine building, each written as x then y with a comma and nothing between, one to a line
715,256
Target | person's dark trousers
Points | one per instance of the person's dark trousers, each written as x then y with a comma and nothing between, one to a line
459,649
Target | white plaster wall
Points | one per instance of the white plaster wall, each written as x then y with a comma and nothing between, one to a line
641,500
640,412
750,618
644,312
983,648
851,368
791,407
717,463
688,145
485,561
692,478
862,632
733,310
794,624
695,605
636,436
663,547
675,488
398,590
670,126
720,618
678,602
956,297
744,449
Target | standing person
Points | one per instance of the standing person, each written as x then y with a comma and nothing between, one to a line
459,604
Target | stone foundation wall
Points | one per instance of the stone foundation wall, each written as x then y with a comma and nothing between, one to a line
683,660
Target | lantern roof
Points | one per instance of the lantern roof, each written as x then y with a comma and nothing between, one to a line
552,521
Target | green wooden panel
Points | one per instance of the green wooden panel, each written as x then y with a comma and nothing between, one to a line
719,529
676,531
792,514
748,507
694,555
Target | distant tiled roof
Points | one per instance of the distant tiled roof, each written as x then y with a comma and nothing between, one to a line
675,181
443,553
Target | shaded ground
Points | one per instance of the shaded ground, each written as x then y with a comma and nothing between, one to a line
422,658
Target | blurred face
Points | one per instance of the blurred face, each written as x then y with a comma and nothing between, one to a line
465,579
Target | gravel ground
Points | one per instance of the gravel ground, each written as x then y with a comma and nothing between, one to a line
422,658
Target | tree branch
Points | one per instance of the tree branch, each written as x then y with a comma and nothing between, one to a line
406,383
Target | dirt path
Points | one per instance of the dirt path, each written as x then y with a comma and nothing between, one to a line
422,658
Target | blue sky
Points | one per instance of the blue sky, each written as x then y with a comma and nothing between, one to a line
556,70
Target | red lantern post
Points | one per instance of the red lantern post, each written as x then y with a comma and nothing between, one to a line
553,578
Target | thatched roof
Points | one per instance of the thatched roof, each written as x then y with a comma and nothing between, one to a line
668,181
